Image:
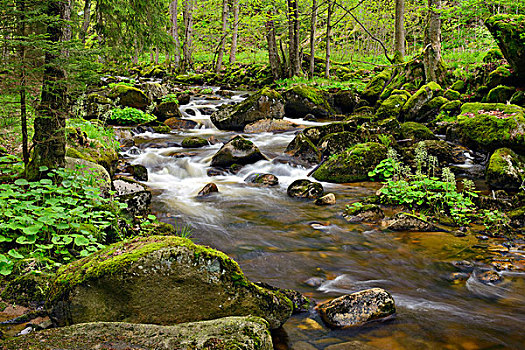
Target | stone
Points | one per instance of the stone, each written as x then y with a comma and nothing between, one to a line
137,196
375,87
344,101
264,104
409,222
500,94
416,132
270,125
264,180
97,106
237,151
327,199
338,142
351,165
177,123
419,106
194,142
299,301
161,280
166,110
304,188
303,150
371,213
489,277
208,190
500,76
356,309
392,106
443,151
139,172
303,99
129,96
248,333
506,170
451,94
459,85
98,171
509,32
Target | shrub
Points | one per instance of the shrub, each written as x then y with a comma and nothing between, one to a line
130,116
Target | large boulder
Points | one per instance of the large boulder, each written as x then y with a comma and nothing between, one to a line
358,308
303,150
135,195
392,106
375,86
166,110
129,96
180,124
416,132
489,126
265,103
423,104
96,106
304,188
351,165
249,333
302,100
509,32
338,142
237,151
270,125
506,170
91,168
161,280
409,222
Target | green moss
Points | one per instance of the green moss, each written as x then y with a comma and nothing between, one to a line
518,98
451,106
96,153
241,143
451,94
161,129
493,55
500,94
437,103
376,85
498,76
312,94
409,87
392,106
459,85
196,142
416,131
506,170
417,101
355,210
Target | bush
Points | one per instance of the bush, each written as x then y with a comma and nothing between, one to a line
130,116
170,98
106,136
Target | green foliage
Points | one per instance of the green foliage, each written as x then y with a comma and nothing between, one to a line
62,217
10,165
207,91
320,83
131,83
106,136
170,98
495,221
130,116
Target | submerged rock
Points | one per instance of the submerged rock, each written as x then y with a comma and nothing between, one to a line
358,308
176,123
194,142
265,180
161,280
305,189
367,212
506,170
249,333
237,151
265,103
208,190
409,222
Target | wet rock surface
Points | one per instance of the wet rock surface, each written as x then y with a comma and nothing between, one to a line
305,189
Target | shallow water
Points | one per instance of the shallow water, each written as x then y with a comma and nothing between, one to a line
283,242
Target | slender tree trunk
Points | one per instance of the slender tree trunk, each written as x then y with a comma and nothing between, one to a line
293,36
49,137
235,32
220,54
328,34
273,54
156,55
175,32
87,19
188,34
433,62
399,49
23,91
312,38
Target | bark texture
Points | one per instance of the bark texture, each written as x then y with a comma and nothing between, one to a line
433,62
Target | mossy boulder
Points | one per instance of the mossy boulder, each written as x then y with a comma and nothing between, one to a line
518,98
303,150
416,132
166,110
392,106
493,55
265,103
237,151
247,333
303,99
338,142
95,152
306,189
96,170
28,289
458,85
316,133
154,90
489,126
344,101
154,72
452,95
97,106
194,142
423,104
509,32
442,150
351,165
375,86
180,124
160,280
506,170
371,213
129,96
499,76
500,94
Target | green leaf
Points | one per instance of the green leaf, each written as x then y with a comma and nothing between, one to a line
33,229
43,168
21,182
5,268
5,239
152,217
15,254
31,239
81,240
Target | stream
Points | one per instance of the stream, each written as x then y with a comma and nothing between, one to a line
284,242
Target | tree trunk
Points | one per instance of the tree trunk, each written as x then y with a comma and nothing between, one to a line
293,36
328,34
235,32
175,33
23,91
399,55
433,62
312,38
87,19
188,34
49,138
220,54
273,54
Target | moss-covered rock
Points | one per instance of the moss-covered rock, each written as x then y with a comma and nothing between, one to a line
166,110
518,99
194,142
237,151
443,151
392,106
506,170
489,126
493,55
500,94
452,95
316,133
28,290
371,213
95,152
421,105
375,87
129,96
265,103
416,132
351,165
160,280
270,125
499,76
303,99
306,189
509,32
459,85
154,72
247,333
303,150
344,101
97,106
98,171
338,142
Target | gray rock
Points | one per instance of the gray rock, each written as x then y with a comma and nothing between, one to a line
305,189
237,151
160,280
208,190
249,333
136,195
327,199
358,308
100,173
408,222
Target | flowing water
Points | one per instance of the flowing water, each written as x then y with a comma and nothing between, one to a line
284,242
